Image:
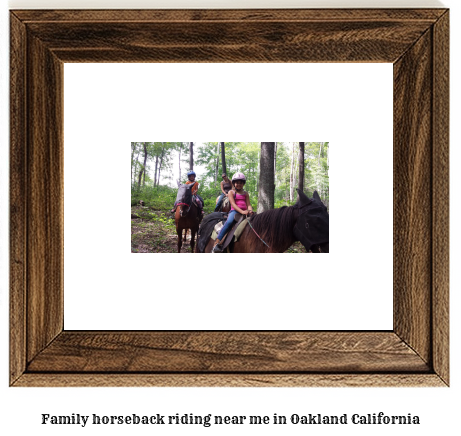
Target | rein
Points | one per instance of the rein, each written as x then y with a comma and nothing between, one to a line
299,208
249,223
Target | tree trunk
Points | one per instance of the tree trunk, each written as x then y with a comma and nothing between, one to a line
217,163
223,159
266,177
292,171
301,167
191,156
132,155
136,167
319,185
179,162
156,167
145,162
257,174
160,166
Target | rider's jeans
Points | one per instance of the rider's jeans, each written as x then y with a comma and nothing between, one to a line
228,224
218,204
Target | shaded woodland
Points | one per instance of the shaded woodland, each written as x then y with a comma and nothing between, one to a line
273,171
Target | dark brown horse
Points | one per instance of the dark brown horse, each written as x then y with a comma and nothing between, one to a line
186,217
225,206
274,231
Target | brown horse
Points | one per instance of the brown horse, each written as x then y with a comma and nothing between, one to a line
224,207
274,231
186,217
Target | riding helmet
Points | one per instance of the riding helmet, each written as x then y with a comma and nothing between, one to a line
239,176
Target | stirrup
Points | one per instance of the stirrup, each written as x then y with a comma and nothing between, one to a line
217,248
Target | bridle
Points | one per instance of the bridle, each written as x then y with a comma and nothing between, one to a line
299,226
184,204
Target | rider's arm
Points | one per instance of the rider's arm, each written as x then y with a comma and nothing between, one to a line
195,188
249,207
222,188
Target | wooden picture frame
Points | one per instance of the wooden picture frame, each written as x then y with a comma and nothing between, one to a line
414,353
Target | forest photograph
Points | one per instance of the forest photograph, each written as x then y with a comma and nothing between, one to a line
229,197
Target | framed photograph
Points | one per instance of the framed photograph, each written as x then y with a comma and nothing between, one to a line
414,353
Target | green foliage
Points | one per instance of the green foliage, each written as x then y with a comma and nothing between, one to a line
209,192
158,198
240,156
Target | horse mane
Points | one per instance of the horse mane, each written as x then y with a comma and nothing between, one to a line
275,226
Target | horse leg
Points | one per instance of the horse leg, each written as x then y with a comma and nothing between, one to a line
179,232
192,239
185,235
209,246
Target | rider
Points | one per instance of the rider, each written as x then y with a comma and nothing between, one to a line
226,186
240,203
191,179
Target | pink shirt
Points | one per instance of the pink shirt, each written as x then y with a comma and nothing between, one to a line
240,201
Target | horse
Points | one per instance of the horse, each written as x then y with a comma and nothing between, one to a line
274,231
186,217
224,207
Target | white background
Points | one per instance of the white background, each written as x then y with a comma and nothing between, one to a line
348,104
21,408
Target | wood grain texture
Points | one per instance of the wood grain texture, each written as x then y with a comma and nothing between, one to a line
228,15
230,380
45,179
414,354
357,41
18,194
241,352
413,196
440,195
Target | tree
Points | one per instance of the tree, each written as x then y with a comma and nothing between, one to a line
266,177
179,161
191,156
160,165
217,164
292,172
134,160
133,149
223,158
301,167
143,169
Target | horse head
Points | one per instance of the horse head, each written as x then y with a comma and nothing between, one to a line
312,226
184,199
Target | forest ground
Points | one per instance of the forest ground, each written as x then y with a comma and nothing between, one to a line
155,232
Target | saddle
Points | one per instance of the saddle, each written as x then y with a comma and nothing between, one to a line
238,219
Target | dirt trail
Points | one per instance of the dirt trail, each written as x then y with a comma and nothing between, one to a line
154,232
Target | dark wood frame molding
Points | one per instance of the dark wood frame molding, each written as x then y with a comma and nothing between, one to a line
414,353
